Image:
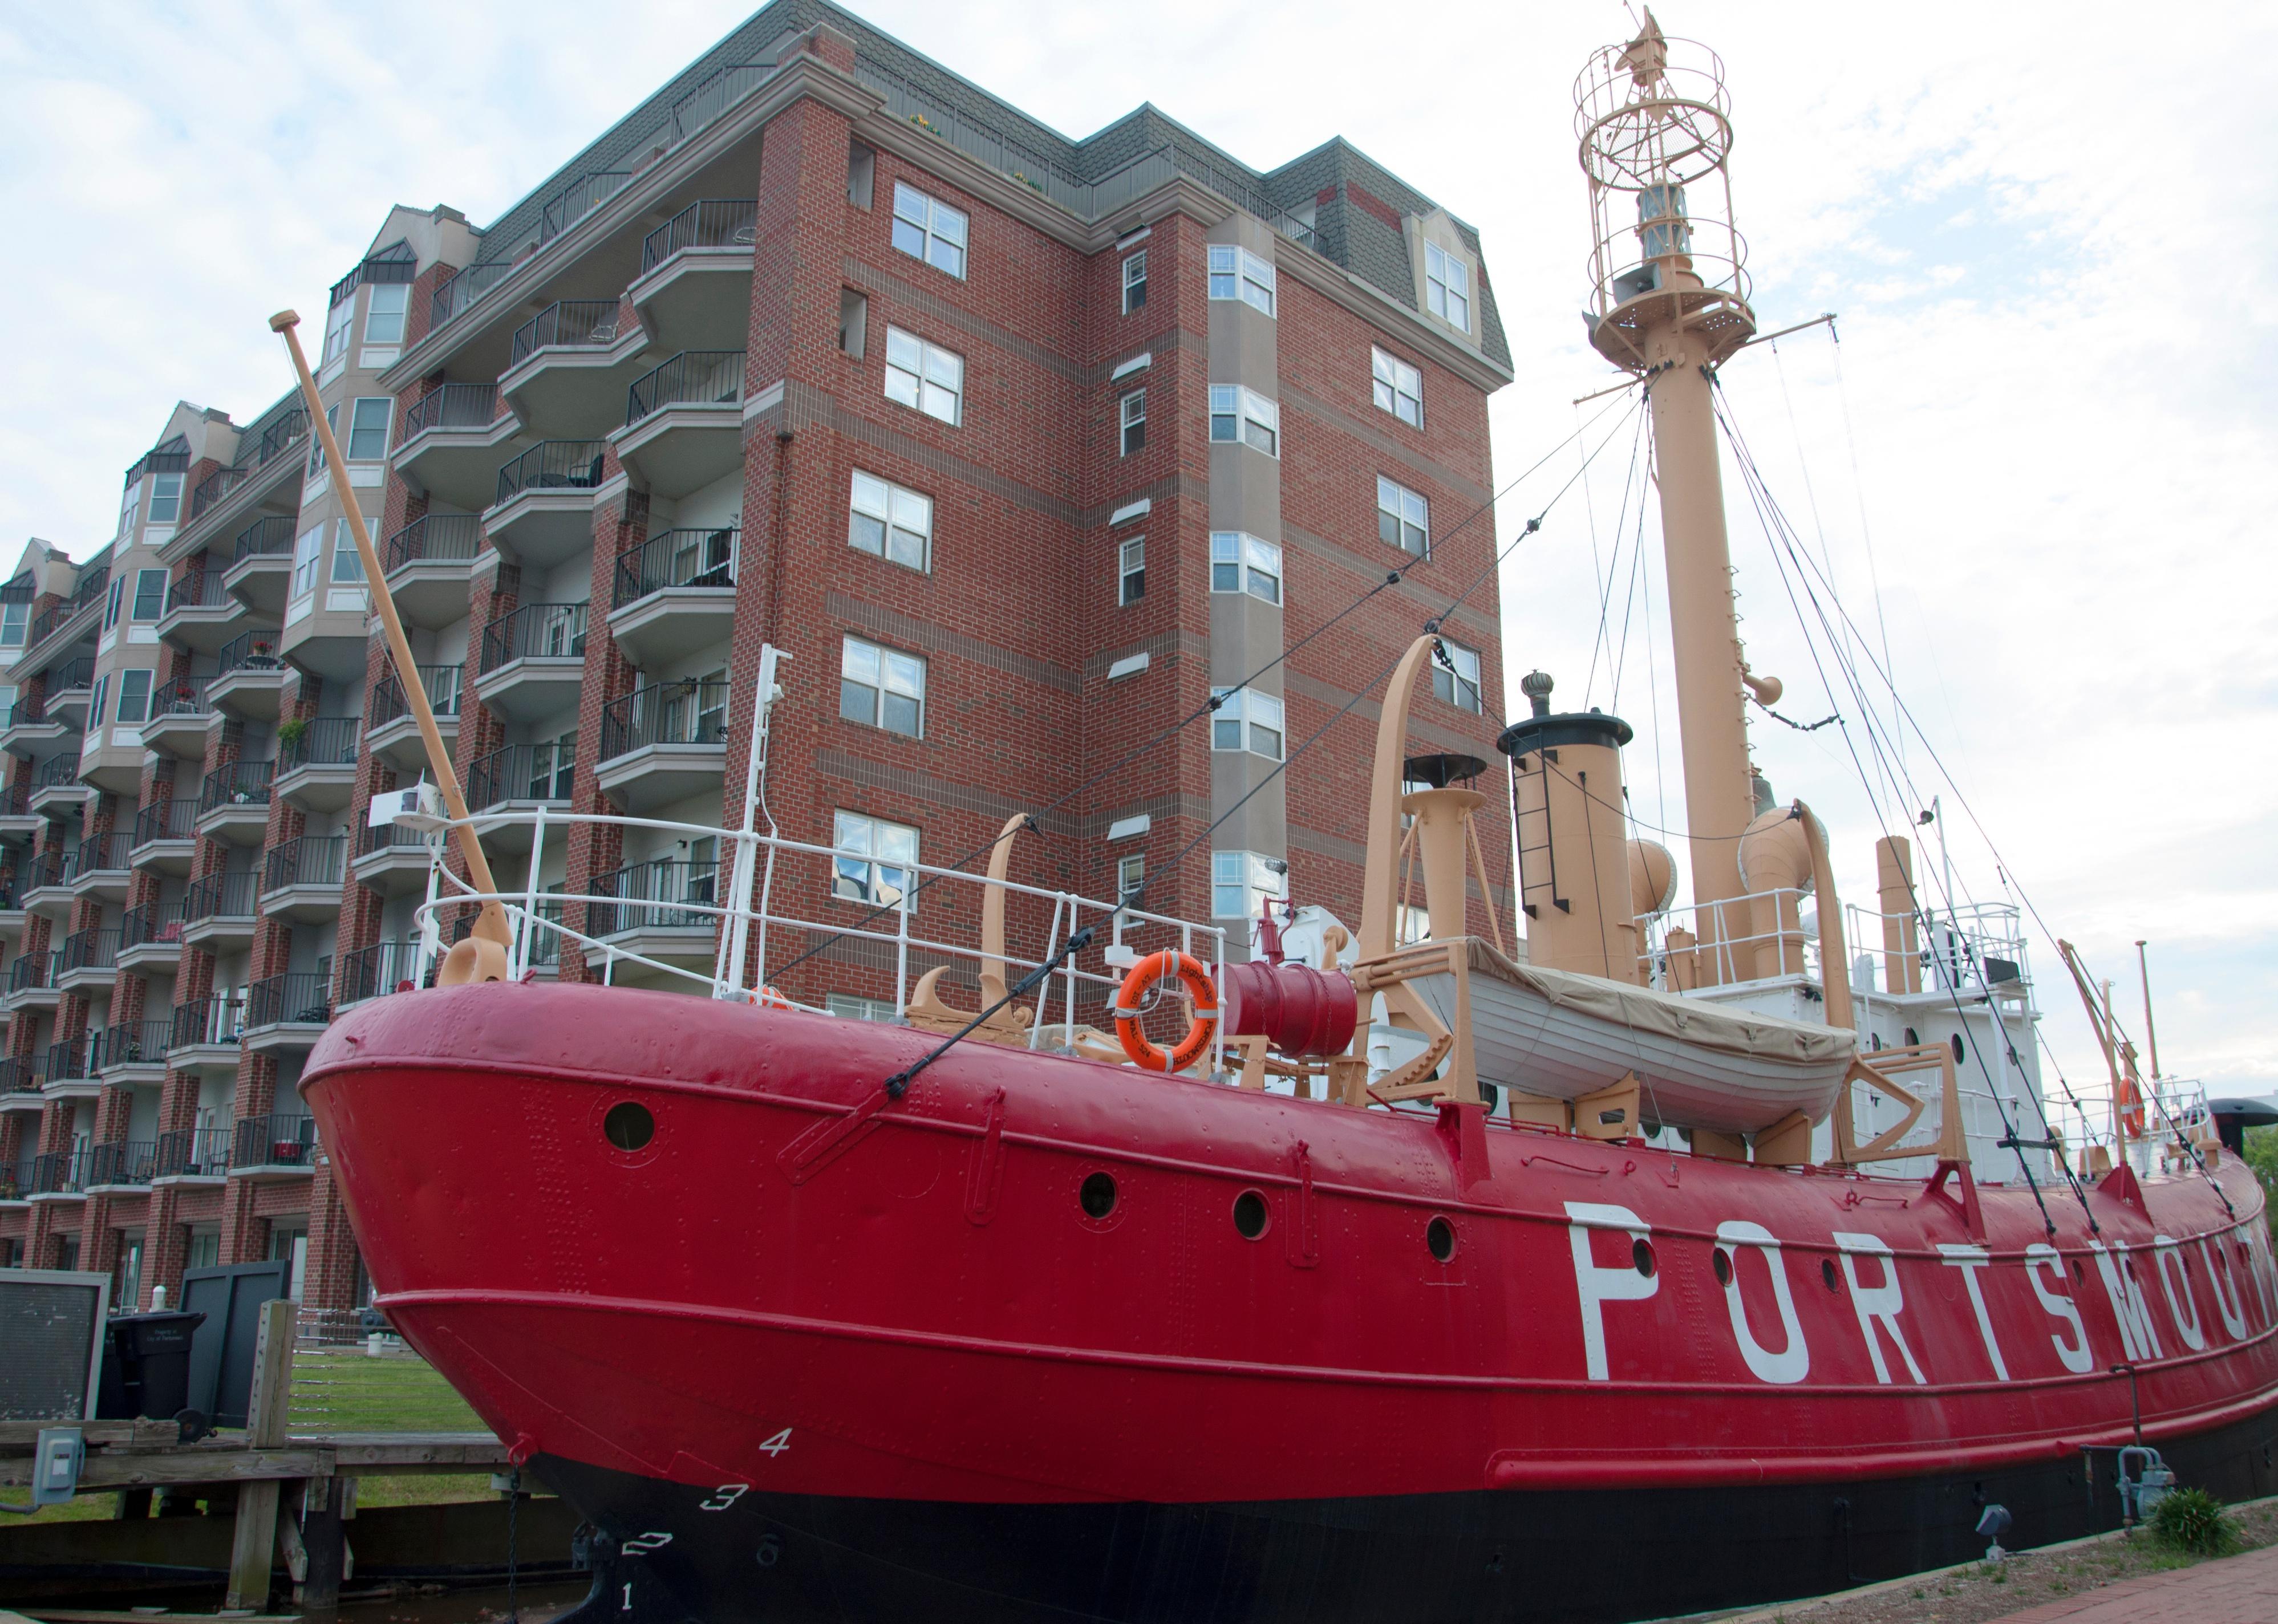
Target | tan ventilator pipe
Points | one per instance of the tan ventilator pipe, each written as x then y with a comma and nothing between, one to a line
483,955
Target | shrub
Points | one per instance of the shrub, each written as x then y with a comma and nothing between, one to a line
2192,1519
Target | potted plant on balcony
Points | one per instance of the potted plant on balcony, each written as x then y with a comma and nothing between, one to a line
290,731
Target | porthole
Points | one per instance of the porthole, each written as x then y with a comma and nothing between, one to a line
1911,1039
1440,1237
1641,1256
1251,1215
1724,1264
1827,1271
1097,1195
1960,1054
628,1126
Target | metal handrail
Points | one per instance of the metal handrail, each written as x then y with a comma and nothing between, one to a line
240,783
301,998
535,631
520,772
103,853
456,292
91,949
59,1173
220,896
388,836
253,651
67,1060
574,202
206,1021
266,537
687,711
132,1043
58,773
51,866
714,223
553,465
203,590
694,378
160,922
130,1162
196,1153
453,405
173,819
327,740
440,538
309,859
33,970
73,674
215,486
383,967
442,682
669,894
682,558
572,324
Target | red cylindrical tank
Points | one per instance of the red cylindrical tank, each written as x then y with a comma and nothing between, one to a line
1302,1011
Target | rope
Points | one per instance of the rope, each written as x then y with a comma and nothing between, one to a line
513,1549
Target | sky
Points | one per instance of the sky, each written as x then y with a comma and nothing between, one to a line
2035,469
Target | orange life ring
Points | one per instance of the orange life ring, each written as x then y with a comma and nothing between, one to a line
2132,1108
1199,987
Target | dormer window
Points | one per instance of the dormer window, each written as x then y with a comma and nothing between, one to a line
1447,287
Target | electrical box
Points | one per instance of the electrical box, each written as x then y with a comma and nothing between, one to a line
56,1465
419,807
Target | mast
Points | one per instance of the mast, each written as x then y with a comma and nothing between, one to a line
1668,304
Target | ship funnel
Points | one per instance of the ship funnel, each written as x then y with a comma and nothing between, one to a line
1576,882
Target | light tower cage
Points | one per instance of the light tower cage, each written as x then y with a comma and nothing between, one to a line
1654,124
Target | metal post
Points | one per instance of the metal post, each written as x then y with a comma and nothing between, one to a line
530,890
728,972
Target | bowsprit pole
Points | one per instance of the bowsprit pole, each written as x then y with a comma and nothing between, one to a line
483,955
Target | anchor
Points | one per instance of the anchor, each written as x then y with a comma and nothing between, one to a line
929,1012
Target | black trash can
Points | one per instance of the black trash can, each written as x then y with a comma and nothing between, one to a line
153,1355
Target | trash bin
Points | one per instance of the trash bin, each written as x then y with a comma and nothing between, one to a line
153,1351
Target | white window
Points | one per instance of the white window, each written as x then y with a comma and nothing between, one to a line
383,319
94,710
1247,720
14,618
1237,273
1455,675
306,551
1131,570
367,429
874,861
1246,417
889,523
1135,281
149,594
846,1006
1404,518
1448,287
131,508
1415,924
165,497
317,443
134,695
1239,562
1399,387
1132,414
926,228
338,320
348,568
882,688
924,375
1239,880
113,601
1130,875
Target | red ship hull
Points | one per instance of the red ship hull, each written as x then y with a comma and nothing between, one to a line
854,1357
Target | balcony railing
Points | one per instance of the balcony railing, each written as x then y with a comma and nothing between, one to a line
255,651
461,289
16,799
440,538
536,631
23,1074
194,1153
312,859
203,590
300,999
696,376
286,1140
682,712
240,783
125,1161
67,1060
278,437
574,324
136,1043
573,203
676,558
206,1021
184,696
73,674
160,922
59,1173
90,949
51,866
215,486
553,465
389,703
327,740
522,773
220,896
102,853
715,223
384,967
58,773
453,405
389,837
267,537
654,897
32,969
175,819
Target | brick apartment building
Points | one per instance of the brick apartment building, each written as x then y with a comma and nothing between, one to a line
1017,444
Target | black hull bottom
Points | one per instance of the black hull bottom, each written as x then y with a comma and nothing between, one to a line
1587,1557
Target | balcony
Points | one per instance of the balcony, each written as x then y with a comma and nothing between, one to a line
316,770
19,823
462,289
694,290
301,879
31,981
204,1033
91,959
675,593
59,625
180,715
102,868
48,879
663,743
151,938
286,1013
126,1165
56,784
455,438
71,690
543,510
166,835
684,422
202,614
215,488
260,572
653,915
533,660
574,202
194,1154
248,678
427,563
373,971
520,778
218,910
569,367
69,1073
392,860
234,802
393,735
59,1173
20,1082
137,1046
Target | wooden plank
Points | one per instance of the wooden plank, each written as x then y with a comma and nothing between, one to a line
270,1403
254,1548
200,1465
21,1437
82,1615
322,1541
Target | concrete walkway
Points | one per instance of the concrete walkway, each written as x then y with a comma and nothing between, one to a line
2239,1589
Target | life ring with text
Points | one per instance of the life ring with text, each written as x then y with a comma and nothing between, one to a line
2132,1108
1128,1008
